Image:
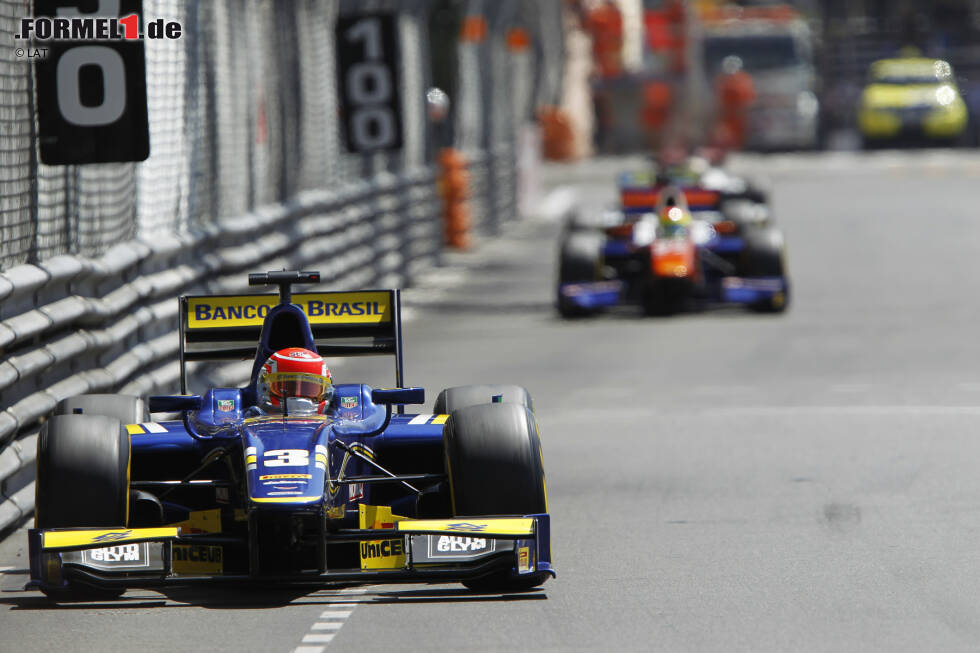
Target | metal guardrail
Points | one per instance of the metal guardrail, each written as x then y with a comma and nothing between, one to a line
93,257
71,326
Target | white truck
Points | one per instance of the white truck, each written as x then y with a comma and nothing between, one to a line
776,49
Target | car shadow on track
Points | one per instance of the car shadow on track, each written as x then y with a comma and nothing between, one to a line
449,595
631,313
216,598
238,598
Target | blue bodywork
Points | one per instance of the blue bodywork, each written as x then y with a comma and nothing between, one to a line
154,453
309,496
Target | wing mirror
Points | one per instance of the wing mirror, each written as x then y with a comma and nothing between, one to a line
174,403
391,396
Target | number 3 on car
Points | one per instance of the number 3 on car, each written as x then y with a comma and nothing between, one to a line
287,458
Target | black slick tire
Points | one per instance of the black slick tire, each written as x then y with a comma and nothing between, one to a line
494,464
461,396
579,262
126,408
763,257
82,481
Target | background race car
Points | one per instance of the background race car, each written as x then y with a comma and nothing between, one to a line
675,242
352,492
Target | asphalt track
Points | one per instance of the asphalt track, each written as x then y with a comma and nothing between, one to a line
719,481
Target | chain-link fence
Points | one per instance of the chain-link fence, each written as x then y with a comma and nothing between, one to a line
247,171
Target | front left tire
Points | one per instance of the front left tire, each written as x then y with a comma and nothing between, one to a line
495,467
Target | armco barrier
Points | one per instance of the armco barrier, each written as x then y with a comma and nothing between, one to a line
247,171
111,323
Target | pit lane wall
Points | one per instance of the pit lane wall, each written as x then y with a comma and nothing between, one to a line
247,172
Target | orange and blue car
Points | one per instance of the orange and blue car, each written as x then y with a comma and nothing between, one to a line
673,246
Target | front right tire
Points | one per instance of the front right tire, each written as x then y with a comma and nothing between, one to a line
764,257
82,481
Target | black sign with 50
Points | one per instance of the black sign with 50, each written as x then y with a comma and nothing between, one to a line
367,48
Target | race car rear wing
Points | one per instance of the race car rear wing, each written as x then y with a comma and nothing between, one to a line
643,199
234,327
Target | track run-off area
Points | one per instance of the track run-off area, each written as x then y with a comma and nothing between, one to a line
718,481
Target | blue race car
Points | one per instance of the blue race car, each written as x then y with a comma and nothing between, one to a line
353,491
672,244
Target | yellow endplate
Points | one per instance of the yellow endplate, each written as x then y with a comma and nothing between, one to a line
491,526
196,559
381,554
74,538
201,521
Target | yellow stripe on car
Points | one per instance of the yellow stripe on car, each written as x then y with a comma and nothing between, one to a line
476,526
134,429
285,499
74,538
440,419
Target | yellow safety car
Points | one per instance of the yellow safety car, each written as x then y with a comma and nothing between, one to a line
913,99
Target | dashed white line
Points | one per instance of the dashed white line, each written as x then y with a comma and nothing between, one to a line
329,624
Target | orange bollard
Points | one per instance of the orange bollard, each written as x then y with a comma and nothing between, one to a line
454,182
655,111
558,139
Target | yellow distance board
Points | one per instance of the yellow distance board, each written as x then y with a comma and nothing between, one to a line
366,307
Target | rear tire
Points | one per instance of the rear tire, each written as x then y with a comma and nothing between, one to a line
494,464
581,252
126,408
82,481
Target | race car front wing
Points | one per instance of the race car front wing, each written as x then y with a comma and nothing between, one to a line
432,550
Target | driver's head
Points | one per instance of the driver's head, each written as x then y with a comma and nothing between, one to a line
295,373
673,220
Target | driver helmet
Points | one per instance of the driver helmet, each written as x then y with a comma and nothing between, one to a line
295,373
674,221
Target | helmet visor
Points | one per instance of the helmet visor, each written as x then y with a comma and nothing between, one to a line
298,384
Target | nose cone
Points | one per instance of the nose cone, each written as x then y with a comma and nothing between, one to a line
286,463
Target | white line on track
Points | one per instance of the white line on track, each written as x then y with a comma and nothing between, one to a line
329,624
724,390
850,387
843,410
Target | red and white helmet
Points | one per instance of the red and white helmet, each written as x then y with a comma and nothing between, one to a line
295,372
